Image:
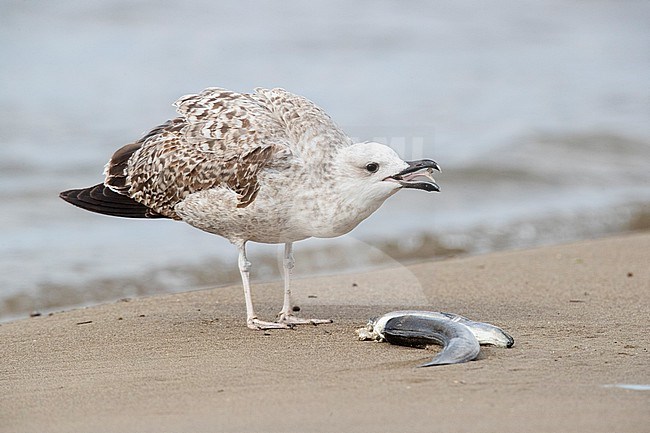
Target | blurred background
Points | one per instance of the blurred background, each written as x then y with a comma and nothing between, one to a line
538,112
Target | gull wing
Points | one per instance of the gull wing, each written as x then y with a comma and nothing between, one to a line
222,138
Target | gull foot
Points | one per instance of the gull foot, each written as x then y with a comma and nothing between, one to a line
290,320
258,324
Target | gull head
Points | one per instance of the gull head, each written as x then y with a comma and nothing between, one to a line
377,172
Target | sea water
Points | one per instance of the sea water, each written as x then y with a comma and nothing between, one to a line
538,113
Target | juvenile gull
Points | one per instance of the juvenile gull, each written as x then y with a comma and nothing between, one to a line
267,167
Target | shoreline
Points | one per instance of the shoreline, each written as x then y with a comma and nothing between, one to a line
186,361
76,280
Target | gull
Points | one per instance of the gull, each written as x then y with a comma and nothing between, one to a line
267,167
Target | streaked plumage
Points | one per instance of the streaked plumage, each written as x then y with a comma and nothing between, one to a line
269,167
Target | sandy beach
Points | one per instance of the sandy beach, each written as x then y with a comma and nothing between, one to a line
187,363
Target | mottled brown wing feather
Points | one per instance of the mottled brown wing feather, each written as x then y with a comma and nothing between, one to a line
116,169
302,119
223,139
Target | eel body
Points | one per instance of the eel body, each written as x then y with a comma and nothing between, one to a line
460,337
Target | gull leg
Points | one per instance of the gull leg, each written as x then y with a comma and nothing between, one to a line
286,314
251,318
288,262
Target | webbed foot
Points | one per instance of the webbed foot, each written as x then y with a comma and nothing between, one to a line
255,323
291,320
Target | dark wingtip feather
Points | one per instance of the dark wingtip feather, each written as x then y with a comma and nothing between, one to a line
103,200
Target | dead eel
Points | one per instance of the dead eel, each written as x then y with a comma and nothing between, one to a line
460,337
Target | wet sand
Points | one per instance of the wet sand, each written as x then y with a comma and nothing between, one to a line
187,363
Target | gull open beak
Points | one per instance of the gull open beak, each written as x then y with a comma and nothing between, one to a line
408,177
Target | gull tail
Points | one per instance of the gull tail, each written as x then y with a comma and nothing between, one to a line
103,200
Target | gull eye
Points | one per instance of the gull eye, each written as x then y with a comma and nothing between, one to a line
372,167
